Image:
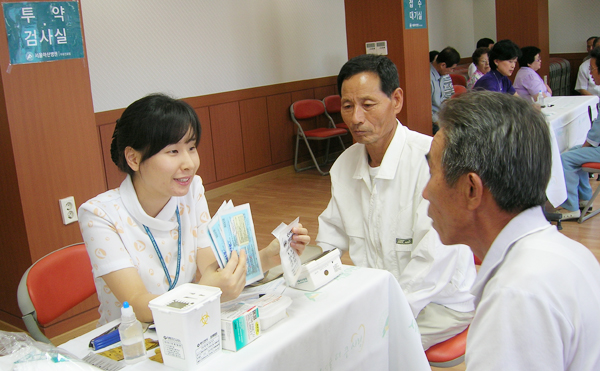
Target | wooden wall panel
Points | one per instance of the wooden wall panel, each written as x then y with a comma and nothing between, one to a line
205,151
255,133
526,24
281,128
47,109
408,49
227,140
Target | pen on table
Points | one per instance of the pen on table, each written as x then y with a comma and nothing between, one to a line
105,339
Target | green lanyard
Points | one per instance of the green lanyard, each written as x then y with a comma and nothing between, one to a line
162,261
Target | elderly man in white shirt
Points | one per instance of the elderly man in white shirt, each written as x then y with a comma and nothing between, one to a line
377,211
585,84
537,292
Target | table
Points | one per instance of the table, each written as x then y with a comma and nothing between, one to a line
361,321
569,120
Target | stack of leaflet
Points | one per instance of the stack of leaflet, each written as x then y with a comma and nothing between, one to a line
232,229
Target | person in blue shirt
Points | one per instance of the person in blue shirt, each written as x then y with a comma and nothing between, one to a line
577,181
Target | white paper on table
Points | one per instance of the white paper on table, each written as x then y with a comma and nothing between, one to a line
290,260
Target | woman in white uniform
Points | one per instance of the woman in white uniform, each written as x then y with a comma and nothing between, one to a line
149,235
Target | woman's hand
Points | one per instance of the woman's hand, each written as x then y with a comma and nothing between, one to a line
231,279
269,256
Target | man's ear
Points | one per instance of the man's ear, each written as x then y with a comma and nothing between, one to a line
397,100
133,158
473,188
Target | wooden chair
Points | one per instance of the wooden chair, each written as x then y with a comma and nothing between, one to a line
307,109
53,285
458,79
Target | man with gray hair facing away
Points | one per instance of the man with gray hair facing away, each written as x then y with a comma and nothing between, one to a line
537,292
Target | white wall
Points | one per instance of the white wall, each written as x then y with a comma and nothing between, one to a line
196,47
571,23
451,23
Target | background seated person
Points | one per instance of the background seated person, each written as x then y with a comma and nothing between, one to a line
585,84
149,235
528,83
537,291
577,181
481,43
377,212
482,62
503,59
439,77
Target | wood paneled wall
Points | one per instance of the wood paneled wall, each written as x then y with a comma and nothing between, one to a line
409,49
244,133
49,150
526,24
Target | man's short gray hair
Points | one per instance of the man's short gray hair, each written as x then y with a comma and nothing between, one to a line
504,140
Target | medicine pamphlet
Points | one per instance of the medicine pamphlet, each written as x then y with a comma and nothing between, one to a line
290,260
232,229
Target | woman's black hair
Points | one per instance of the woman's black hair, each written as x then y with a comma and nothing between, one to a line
503,50
528,54
150,124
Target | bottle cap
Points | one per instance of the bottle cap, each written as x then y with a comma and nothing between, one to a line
127,311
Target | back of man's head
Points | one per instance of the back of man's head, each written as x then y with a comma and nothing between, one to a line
380,65
504,140
484,43
449,56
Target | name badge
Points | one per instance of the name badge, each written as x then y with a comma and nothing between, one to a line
404,241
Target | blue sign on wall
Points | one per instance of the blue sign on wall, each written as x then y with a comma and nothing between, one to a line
415,14
43,31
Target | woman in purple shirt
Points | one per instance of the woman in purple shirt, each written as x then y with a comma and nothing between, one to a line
528,83
503,59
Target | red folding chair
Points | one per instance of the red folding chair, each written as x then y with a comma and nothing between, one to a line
53,285
333,104
308,109
458,79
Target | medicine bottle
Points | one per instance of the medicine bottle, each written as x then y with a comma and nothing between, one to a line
132,336
540,99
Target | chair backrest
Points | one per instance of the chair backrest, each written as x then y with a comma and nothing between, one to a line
307,109
53,285
458,79
458,90
333,103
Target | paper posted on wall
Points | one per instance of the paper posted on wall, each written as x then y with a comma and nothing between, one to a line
290,260
232,229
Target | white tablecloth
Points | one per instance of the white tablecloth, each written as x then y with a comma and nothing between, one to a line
359,321
569,120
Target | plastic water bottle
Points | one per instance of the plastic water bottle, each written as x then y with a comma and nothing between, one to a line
540,99
132,336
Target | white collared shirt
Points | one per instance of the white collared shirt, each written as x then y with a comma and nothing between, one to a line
112,228
538,301
385,225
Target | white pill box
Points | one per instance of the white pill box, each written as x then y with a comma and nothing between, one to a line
319,272
240,325
272,309
188,324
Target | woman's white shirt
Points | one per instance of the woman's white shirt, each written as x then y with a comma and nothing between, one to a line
112,225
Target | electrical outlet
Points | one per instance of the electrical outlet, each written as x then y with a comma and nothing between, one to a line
68,210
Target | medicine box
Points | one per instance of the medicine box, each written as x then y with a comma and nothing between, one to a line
188,324
239,325
319,272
